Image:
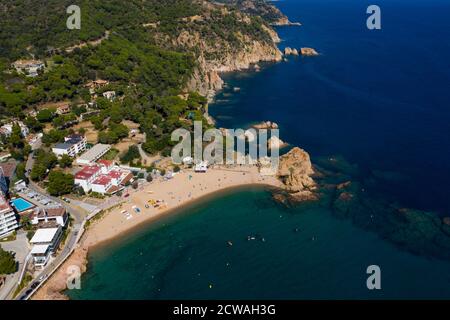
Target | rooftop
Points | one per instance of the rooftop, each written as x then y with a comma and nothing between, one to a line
87,172
93,153
8,168
106,163
103,180
24,63
63,145
115,174
44,235
4,205
50,212
39,249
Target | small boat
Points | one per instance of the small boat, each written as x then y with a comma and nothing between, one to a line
230,243
263,240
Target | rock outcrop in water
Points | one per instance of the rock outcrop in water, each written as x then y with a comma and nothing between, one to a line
266,125
295,171
290,51
309,52
419,232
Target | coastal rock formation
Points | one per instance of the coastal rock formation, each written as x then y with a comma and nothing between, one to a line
295,171
446,220
266,125
264,9
240,45
275,142
54,287
309,52
290,51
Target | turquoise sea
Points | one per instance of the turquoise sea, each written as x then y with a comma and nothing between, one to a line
372,109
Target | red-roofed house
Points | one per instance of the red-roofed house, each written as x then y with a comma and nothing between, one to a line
86,176
104,177
102,184
106,165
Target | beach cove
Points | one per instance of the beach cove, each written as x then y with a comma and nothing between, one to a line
373,132
184,189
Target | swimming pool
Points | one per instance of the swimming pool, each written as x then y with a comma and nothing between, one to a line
21,204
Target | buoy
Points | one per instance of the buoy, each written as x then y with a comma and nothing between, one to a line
210,286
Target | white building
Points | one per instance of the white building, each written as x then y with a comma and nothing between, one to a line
110,95
8,221
29,67
93,154
103,177
72,145
8,128
102,184
56,215
86,176
48,236
45,241
41,255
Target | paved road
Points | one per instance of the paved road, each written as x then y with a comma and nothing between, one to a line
21,249
78,217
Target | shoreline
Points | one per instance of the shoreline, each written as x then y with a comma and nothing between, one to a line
113,225
182,190
180,209
56,284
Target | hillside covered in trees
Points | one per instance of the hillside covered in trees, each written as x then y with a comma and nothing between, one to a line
148,50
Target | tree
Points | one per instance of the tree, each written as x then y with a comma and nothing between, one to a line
59,183
135,185
45,115
8,263
38,172
65,161
130,155
25,222
33,124
20,171
16,136
176,168
149,178
82,131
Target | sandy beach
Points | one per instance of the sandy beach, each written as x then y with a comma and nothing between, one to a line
139,208
183,188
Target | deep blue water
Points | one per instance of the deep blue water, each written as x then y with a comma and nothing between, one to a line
380,98
377,102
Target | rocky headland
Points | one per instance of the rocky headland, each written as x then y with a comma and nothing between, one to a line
296,171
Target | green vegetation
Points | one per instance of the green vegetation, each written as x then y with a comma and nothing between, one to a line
27,278
59,183
139,48
43,163
8,263
130,155
111,154
65,161
11,237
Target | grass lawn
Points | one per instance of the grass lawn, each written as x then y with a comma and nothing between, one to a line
111,154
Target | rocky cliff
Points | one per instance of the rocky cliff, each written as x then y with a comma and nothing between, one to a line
261,8
222,39
295,171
